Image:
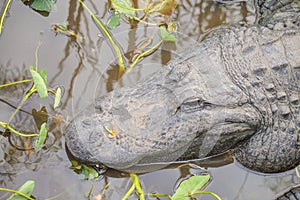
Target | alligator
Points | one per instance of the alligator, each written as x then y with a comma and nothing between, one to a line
238,89
293,194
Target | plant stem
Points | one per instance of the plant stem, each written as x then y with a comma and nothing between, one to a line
4,13
108,35
17,192
129,192
138,188
136,184
31,91
36,56
7,126
210,193
149,23
160,195
15,83
146,53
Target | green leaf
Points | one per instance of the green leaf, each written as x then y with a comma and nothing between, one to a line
63,26
39,82
114,21
43,5
123,7
27,189
190,186
166,36
87,171
43,75
57,97
42,137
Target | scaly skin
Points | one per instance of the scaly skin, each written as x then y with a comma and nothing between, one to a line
293,194
237,89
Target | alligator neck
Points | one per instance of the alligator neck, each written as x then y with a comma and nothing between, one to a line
279,15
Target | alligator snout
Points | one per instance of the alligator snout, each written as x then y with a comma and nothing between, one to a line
126,127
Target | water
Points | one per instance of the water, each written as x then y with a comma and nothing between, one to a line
85,70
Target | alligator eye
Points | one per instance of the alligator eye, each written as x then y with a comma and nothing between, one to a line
206,105
191,106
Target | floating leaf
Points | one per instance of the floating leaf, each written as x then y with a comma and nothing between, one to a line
114,21
190,186
166,36
57,97
87,171
42,137
123,7
27,189
43,5
39,82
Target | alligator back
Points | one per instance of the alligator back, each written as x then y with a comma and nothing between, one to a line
266,66
269,66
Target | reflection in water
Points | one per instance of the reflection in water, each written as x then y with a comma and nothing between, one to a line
86,69
16,153
202,16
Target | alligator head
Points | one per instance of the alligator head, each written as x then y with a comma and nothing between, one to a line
183,107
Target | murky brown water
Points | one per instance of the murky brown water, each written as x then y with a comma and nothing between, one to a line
83,67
